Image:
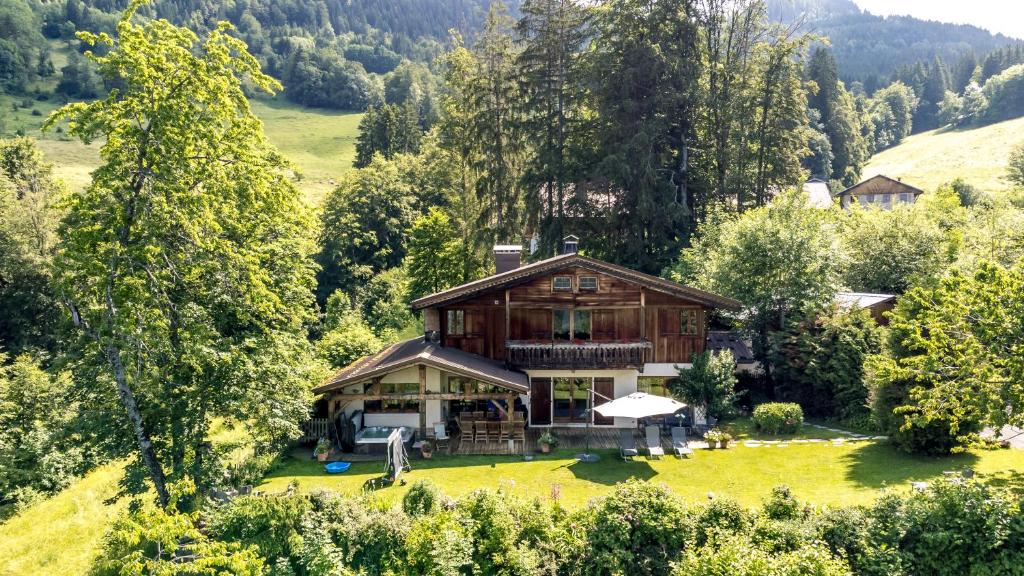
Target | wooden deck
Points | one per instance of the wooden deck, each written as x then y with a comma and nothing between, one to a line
573,438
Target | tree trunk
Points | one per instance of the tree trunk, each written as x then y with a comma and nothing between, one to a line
124,391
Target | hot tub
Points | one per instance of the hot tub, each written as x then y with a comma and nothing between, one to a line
375,438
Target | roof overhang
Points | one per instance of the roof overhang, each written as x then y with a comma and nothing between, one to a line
530,271
416,352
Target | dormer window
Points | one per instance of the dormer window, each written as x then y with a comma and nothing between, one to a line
588,283
561,283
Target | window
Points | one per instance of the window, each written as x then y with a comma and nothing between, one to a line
581,325
456,322
688,322
886,199
463,385
588,283
906,197
392,405
562,283
560,328
656,385
570,399
868,198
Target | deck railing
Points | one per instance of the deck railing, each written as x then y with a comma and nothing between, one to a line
529,354
315,428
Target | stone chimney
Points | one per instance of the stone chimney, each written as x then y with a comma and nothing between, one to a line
506,257
570,244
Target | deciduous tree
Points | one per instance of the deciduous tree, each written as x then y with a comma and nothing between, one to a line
185,263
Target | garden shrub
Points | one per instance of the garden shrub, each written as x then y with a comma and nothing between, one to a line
438,545
510,537
778,417
269,523
422,498
781,504
639,529
739,557
720,516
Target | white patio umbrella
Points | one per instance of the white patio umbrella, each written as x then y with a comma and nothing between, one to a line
639,405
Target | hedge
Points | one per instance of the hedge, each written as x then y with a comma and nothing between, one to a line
778,417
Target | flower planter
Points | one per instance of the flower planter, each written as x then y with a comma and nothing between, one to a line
427,455
545,448
322,457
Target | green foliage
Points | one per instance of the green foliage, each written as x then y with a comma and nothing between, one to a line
1005,95
28,218
639,529
348,337
1015,167
422,499
21,45
363,226
510,537
266,523
892,109
710,383
778,260
738,557
388,130
384,303
158,542
952,355
437,256
778,417
439,545
187,257
819,361
39,452
781,504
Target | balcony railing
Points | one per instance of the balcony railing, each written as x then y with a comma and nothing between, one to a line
575,355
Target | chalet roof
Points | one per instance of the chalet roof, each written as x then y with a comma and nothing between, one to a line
733,342
416,351
881,185
530,271
862,299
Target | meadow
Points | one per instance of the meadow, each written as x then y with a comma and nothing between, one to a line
929,159
320,143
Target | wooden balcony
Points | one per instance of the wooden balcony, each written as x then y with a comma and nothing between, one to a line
576,355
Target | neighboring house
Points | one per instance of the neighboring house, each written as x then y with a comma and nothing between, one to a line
740,348
819,195
877,304
533,338
880,191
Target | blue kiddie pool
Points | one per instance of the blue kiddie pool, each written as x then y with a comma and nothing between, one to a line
337,467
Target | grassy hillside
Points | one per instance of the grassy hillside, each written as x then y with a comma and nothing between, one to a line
928,159
321,143
62,535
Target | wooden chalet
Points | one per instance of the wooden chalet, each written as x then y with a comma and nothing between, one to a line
535,339
879,191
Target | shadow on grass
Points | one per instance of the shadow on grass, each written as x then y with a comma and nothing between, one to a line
1009,480
879,464
611,469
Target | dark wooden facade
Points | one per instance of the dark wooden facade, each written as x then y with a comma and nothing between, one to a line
671,328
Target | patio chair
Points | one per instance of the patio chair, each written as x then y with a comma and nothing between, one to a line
441,435
493,430
679,443
519,433
479,431
506,431
653,435
627,444
478,415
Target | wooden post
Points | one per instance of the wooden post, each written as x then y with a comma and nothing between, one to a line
508,317
511,423
423,403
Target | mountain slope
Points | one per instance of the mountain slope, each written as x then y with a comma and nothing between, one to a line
868,45
929,159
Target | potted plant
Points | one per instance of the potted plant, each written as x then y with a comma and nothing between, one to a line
716,438
547,441
427,449
723,439
322,450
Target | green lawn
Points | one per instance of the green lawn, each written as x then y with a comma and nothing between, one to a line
823,473
928,159
321,143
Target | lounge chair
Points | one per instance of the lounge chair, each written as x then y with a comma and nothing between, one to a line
441,435
653,434
627,444
679,442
